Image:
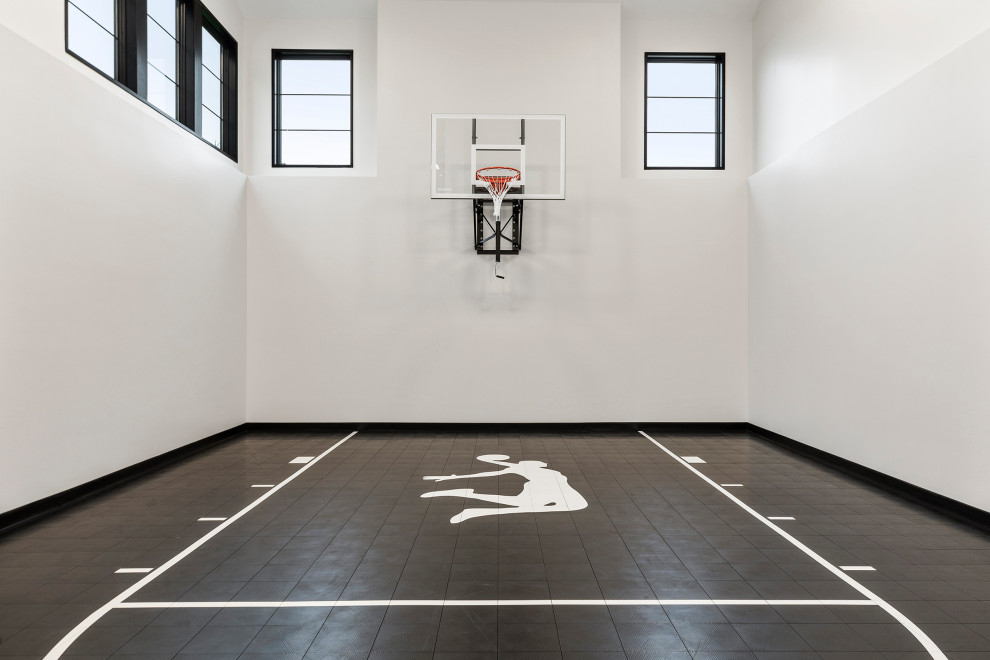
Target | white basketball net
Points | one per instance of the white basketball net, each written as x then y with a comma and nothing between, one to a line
497,180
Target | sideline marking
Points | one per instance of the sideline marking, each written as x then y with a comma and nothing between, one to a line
481,603
211,519
134,570
301,459
731,485
857,568
262,485
918,633
780,517
693,459
64,644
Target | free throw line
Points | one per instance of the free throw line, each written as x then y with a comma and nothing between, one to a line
74,634
918,633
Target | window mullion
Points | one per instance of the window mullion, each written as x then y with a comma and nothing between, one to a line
229,102
190,48
132,46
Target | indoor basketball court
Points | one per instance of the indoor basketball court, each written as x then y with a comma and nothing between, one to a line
475,329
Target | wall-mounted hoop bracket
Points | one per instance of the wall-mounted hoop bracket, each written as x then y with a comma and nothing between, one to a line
488,240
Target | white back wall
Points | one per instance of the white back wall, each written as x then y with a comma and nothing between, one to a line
367,302
821,60
869,272
122,295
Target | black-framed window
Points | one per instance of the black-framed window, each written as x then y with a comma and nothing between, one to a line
312,108
172,54
685,111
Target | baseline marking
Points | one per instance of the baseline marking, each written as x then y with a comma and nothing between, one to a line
475,603
918,633
86,623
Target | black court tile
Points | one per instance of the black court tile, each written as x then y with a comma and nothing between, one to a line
528,637
354,527
649,638
771,637
405,638
588,637
472,629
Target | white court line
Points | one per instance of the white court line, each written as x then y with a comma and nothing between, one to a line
918,633
262,485
780,517
211,519
693,459
857,568
478,603
301,459
731,485
134,570
74,634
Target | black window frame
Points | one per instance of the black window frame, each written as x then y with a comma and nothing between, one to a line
667,57
280,54
130,64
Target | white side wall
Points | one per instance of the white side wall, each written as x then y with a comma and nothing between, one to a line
869,271
820,60
366,301
122,295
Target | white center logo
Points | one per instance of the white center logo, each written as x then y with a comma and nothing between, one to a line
545,490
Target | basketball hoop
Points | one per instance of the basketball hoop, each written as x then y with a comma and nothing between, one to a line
497,181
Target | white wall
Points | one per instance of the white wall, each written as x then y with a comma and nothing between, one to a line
366,301
122,295
869,272
821,60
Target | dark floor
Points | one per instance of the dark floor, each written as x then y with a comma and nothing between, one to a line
353,527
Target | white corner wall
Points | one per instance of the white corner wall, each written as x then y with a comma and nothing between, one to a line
870,275
821,60
122,268
367,302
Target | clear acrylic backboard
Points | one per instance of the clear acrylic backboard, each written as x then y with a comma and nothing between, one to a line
465,143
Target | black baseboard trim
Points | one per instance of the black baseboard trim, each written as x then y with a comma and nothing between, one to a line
501,427
35,511
959,511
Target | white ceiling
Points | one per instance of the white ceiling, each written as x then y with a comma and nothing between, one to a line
668,9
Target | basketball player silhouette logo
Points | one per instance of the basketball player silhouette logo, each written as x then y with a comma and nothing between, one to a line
545,490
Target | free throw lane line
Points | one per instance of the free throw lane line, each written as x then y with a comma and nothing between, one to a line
918,633
74,634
